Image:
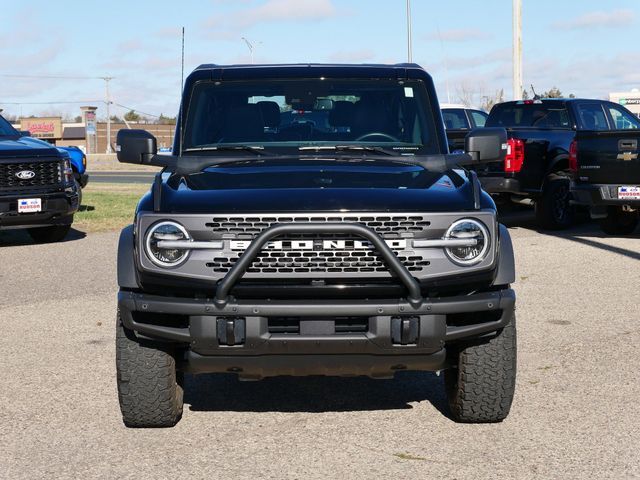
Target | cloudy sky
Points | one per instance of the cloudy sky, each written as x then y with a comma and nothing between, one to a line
585,47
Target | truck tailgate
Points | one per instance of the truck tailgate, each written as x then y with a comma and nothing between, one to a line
609,157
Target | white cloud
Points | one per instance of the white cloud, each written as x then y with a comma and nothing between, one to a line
225,26
459,35
615,18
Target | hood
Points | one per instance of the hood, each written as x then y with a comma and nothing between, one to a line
25,147
318,186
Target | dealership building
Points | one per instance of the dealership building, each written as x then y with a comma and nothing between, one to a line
90,135
631,100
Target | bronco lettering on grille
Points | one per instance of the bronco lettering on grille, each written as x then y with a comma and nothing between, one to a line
241,245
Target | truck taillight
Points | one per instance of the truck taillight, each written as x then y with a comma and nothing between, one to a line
515,155
573,156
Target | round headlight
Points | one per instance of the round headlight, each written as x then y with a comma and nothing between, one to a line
166,231
474,253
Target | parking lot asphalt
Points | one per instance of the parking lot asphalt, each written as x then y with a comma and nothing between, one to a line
575,414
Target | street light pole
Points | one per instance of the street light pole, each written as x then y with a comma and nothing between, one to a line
108,102
250,47
409,39
517,49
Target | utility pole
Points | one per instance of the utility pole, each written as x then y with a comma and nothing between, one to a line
108,102
517,49
409,39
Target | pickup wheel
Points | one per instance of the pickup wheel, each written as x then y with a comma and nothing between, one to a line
553,209
619,222
149,388
79,188
51,234
481,384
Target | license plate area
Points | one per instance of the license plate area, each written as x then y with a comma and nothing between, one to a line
29,205
628,192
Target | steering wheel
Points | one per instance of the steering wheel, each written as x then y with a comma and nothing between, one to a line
377,134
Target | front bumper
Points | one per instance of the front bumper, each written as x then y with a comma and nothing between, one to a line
595,195
57,209
317,349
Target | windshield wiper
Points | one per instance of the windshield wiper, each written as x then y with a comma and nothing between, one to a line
344,148
227,148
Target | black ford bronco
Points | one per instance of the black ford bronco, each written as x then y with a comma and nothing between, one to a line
38,191
312,222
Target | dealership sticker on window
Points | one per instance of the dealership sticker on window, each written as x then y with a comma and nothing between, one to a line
408,92
629,193
29,205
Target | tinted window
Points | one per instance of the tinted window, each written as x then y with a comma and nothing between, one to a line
454,119
592,117
529,115
479,118
623,119
6,130
302,112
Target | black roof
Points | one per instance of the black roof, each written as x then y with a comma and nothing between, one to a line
73,133
302,70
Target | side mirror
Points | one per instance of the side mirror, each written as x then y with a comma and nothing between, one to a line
486,145
25,133
136,146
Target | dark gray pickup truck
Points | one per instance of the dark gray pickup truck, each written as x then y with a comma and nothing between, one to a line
552,142
38,191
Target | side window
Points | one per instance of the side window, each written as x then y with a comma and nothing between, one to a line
479,118
455,119
622,120
592,116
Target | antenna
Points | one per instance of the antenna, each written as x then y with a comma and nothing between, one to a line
535,95
181,92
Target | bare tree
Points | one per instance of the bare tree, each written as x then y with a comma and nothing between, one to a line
488,101
466,95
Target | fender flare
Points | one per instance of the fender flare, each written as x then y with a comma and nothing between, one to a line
126,261
560,163
506,274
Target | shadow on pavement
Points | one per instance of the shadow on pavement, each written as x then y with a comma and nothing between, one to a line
223,392
20,237
584,231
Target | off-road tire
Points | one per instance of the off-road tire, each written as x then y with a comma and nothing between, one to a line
553,209
618,222
149,389
51,234
481,383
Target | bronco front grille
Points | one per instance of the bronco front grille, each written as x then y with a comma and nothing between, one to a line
347,260
43,174
353,256
386,226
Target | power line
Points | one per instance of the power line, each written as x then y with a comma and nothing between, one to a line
50,103
59,77
136,110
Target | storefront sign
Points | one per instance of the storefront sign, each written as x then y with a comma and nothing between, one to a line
43,127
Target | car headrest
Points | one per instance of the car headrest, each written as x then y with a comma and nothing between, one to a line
270,113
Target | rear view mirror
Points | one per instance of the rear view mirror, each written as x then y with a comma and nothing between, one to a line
486,145
136,146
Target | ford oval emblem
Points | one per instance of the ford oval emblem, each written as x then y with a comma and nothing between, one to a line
25,174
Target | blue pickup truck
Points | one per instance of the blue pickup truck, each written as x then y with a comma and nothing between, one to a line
78,161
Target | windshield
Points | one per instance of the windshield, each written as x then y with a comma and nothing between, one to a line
6,130
304,113
529,115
